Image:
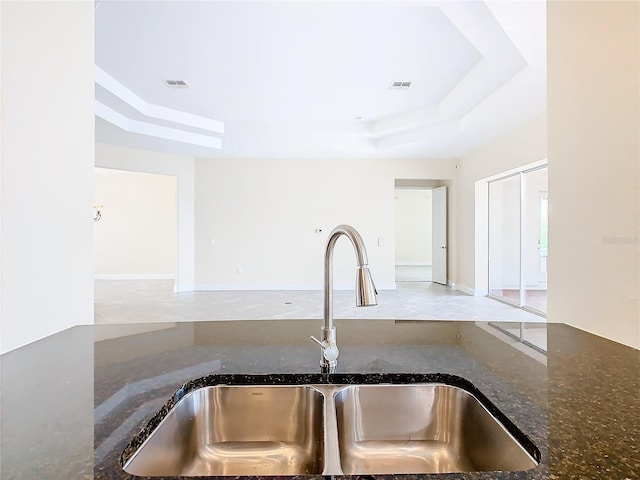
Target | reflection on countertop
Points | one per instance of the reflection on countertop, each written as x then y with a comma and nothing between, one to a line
71,402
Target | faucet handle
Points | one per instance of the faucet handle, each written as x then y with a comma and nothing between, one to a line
329,349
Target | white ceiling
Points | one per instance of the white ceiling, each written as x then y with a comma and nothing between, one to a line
290,79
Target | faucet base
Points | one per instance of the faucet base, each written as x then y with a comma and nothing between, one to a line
329,350
327,368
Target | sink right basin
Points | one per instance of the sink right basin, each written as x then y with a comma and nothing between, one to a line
423,428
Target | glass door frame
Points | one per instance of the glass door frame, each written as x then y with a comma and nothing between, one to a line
489,219
522,197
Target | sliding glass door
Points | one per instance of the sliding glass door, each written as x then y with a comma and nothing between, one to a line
504,239
518,241
535,242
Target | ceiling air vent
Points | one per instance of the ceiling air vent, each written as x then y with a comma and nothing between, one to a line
176,84
399,85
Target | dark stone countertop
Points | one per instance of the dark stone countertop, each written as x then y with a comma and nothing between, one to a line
72,402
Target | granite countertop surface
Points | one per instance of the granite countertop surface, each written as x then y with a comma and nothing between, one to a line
72,402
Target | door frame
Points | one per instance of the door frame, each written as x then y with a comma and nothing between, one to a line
522,268
436,245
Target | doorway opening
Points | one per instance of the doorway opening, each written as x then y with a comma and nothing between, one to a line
414,261
136,230
421,231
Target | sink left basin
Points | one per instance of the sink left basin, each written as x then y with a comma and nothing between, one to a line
237,430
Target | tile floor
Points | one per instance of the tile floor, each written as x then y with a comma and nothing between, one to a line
134,301
535,299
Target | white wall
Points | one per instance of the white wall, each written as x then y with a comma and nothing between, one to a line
413,226
46,169
1,110
256,219
121,158
594,167
525,144
137,235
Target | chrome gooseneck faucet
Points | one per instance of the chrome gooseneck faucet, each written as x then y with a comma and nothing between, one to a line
365,293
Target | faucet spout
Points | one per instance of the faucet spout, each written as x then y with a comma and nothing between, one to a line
365,291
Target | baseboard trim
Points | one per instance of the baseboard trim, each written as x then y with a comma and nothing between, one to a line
279,286
414,264
471,291
134,276
183,288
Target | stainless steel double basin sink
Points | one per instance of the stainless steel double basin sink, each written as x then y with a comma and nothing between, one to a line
236,430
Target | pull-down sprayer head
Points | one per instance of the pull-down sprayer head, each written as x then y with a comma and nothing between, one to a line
365,288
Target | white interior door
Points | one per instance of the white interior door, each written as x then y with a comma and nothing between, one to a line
439,234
